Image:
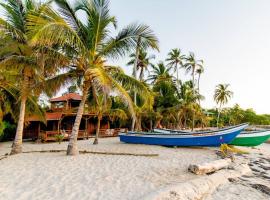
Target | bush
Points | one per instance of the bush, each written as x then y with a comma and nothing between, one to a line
7,130
59,138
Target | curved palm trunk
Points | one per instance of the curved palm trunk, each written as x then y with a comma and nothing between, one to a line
72,148
17,144
98,128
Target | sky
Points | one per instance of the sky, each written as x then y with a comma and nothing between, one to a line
232,37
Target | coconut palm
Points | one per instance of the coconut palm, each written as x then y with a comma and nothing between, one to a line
143,62
101,105
191,65
176,60
160,72
29,62
88,44
199,71
222,96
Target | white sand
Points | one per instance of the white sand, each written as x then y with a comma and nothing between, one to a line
242,188
57,176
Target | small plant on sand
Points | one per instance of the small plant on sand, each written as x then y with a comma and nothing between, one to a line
59,138
228,150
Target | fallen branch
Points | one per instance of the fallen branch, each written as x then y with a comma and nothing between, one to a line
210,167
116,153
94,152
45,151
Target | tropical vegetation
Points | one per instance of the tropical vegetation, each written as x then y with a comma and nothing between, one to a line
44,48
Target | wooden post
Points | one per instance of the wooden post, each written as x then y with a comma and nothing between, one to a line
39,135
85,127
58,128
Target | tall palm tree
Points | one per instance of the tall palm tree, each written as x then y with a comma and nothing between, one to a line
222,96
143,62
199,71
176,60
88,44
140,47
29,62
191,65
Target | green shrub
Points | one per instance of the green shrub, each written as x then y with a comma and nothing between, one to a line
59,138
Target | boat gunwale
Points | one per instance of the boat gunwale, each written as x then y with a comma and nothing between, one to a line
202,132
153,135
254,134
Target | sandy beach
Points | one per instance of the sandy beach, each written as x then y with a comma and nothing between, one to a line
93,176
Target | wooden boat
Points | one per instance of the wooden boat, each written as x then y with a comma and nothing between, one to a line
251,138
207,138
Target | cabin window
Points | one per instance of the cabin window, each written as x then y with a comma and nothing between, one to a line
59,105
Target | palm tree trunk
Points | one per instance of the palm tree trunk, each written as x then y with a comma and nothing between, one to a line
139,123
199,88
98,128
185,122
72,148
135,75
141,75
17,144
193,89
219,110
177,76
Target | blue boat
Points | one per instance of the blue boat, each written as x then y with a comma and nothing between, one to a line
207,138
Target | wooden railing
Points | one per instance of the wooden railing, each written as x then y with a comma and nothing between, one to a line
111,132
50,135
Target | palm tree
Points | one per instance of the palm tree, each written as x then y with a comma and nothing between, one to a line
87,44
101,105
143,62
160,72
199,71
29,62
222,96
175,59
191,65
139,48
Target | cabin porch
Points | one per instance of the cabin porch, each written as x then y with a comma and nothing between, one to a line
63,124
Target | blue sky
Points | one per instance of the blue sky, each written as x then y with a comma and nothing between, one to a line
232,37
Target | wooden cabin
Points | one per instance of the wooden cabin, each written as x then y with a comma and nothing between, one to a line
59,119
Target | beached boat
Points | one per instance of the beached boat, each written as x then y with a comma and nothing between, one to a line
251,138
207,138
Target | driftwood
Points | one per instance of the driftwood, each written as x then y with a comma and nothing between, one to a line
210,167
116,153
3,157
94,152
